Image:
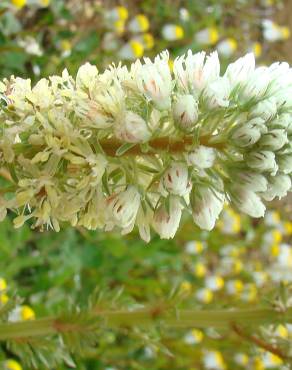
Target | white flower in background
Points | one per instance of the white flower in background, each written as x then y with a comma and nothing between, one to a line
194,336
21,313
139,23
234,287
184,15
131,50
247,201
213,360
122,207
271,361
202,157
145,39
265,109
241,359
86,76
172,32
274,139
207,36
214,283
166,219
176,179
241,70
185,111
154,81
31,46
272,32
278,187
194,247
110,42
132,128
204,295
194,72
117,13
262,160
207,204
227,47
248,133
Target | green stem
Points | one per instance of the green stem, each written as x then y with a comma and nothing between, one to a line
170,318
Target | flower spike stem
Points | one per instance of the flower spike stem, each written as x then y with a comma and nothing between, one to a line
219,319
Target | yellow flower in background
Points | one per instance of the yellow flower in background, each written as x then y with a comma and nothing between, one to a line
256,48
281,331
18,3
200,270
170,64
207,36
45,3
250,293
139,23
122,12
237,266
12,365
241,359
227,47
214,360
3,285
119,26
272,32
288,227
234,286
194,247
185,287
258,364
172,32
3,299
214,282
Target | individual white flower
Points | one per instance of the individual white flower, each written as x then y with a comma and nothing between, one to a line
256,85
202,157
172,32
206,204
213,360
249,132
110,41
123,207
176,179
166,219
131,50
145,39
262,160
252,181
184,15
274,139
278,186
116,13
21,313
217,93
139,23
86,76
266,109
227,47
154,81
193,73
41,94
240,71
204,295
247,201
207,36
195,336
214,283
132,128
31,46
185,111
272,32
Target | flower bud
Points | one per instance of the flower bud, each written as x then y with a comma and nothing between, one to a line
252,181
123,207
217,93
274,139
285,163
262,160
278,187
247,201
202,157
166,221
248,133
266,109
132,128
176,179
206,204
185,112
86,76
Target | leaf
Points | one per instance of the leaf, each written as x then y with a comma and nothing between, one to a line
124,148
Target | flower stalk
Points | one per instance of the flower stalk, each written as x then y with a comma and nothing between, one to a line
219,319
